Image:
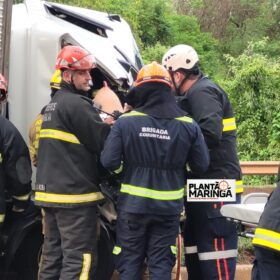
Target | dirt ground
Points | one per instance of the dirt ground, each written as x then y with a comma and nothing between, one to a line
249,189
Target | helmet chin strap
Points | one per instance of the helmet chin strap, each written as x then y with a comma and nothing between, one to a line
178,88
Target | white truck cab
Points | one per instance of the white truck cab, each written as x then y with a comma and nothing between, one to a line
39,29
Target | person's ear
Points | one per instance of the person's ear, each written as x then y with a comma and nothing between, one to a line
67,76
177,77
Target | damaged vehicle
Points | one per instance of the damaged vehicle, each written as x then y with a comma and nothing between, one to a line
39,29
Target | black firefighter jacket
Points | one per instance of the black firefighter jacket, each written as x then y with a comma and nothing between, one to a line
155,153
15,167
155,142
267,233
71,140
210,107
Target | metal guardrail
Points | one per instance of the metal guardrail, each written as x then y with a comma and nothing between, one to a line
259,167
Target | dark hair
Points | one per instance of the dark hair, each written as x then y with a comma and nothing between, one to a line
195,70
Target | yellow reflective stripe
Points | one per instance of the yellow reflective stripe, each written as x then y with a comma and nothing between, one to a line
239,188
86,267
267,232
153,194
229,124
265,243
185,119
119,170
1,158
60,135
68,198
173,249
117,250
21,197
267,238
132,114
2,218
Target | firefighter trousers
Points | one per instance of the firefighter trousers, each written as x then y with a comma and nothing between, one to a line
141,236
266,264
69,249
210,242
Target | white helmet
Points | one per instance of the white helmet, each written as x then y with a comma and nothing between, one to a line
180,57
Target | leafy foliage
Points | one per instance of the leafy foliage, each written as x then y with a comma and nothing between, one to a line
154,53
253,84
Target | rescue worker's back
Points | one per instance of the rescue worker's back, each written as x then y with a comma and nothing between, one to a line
156,151
155,143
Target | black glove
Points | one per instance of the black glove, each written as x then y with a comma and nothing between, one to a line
116,114
109,190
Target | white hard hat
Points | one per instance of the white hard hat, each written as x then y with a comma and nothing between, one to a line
180,57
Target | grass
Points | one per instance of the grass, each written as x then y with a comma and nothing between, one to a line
245,251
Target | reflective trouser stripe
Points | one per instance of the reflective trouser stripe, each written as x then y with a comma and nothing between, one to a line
21,197
217,255
229,124
117,250
68,198
153,194
267,238
239,188
190,249
1,158
86,267
59,135
2,218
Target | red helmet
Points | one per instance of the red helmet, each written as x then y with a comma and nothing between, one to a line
3,88
75,58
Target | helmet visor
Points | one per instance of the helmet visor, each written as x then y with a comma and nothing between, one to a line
86,63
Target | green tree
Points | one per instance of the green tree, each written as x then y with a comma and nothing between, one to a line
154,53
253,83
186,30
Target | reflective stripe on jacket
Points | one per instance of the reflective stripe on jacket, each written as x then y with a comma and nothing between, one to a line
154,153
15,167
71,139
267,234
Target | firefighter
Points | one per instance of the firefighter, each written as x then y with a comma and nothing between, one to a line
209,253
34,130
15,166
71,139
267,239
155,141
